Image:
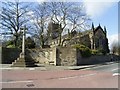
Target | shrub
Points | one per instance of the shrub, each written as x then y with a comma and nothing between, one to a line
98,52
10,46
85,51
10,42
30,43
95,52
102,51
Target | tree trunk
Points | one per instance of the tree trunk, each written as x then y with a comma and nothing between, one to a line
42,41
59,39
16,41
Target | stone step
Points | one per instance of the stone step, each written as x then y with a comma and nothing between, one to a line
22,65
51,62
21,62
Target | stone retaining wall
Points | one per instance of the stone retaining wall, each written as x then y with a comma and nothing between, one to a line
9,55
66,56
44,56
61,56
98,59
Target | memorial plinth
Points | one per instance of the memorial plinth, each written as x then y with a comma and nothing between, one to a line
24,59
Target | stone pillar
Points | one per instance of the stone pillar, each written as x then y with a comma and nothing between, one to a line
24,60
23,42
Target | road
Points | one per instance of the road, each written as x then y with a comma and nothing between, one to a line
113,68
101,76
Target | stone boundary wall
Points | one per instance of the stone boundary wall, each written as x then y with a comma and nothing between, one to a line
9,55
44,56
98,59
66,56
60,56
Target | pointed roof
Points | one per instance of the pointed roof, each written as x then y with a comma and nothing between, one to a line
99,27
92,25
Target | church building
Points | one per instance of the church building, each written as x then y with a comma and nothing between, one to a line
95,38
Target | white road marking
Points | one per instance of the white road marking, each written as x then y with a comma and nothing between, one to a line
115,69
116,74
5,68
77,76
94,67
31,68
16,82
16,68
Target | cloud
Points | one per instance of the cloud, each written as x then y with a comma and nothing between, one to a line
113,39
40,1
96,8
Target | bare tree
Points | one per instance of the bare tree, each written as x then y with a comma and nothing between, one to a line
78,19
59,15
68,15
116,48
40,21
13,16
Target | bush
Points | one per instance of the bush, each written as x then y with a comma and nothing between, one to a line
98,52
95,52
10,46
85,51
102,51
29,43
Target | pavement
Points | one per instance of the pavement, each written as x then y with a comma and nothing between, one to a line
48,68
100,76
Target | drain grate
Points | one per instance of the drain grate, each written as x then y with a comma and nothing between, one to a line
30,85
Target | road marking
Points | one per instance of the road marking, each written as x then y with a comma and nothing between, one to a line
98,66
15,68
116,74
77,76
16,82
5,68
31,68
115,69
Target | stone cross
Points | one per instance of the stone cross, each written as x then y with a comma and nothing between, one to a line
23,42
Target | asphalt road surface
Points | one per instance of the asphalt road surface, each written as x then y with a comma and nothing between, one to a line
113,68
101,76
